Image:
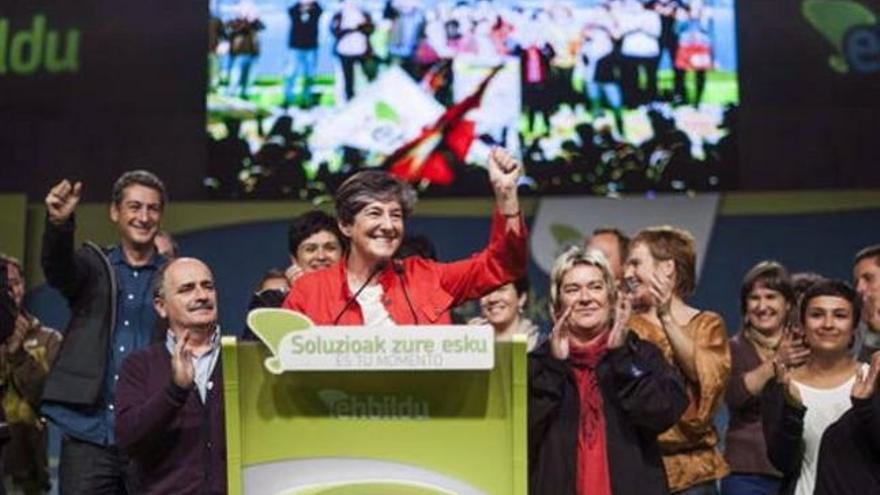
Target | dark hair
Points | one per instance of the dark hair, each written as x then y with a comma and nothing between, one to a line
309,224
159,279
771,275
372,185
522,285
872,251
416,245
622,239
801,281
833,288
269,275
6,260
672,243
140,178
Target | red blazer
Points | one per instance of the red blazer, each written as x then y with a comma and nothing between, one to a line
433,287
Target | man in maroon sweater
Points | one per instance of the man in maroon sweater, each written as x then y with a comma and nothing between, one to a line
169,399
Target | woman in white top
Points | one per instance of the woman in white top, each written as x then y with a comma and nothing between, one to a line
805,401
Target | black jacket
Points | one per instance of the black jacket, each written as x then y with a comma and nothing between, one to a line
304,26
784,433
849,453
86,279
642,395
849,456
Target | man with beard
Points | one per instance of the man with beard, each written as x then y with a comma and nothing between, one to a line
108,291
170,396
866,272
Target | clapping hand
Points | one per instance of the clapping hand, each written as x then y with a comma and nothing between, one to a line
621,321
661,291
866,381
293,272
792,351
783,377
183,371
559,336
62,200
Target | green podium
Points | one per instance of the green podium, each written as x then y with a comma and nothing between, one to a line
355,432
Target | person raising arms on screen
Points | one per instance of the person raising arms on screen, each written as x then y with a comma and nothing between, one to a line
368,287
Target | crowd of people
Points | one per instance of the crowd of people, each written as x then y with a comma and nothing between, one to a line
622,392
612,48
587,162
582,68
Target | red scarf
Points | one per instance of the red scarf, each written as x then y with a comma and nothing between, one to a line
593,476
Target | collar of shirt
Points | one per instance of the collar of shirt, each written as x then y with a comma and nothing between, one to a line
204,364
116,257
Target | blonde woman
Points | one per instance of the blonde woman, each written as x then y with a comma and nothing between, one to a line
598,394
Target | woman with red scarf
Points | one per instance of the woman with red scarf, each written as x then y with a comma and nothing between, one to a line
598,395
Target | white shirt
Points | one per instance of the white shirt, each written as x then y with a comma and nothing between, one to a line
374,312
355,43
824,407
642,28
203,365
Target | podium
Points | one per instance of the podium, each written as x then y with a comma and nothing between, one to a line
378,432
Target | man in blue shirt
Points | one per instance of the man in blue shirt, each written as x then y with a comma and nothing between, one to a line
108,291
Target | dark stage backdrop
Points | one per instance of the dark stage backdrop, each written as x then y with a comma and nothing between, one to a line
91,88
810,82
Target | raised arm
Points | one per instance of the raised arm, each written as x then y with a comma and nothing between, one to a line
59,262
504,259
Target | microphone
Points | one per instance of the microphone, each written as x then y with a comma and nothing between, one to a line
398,269
378,267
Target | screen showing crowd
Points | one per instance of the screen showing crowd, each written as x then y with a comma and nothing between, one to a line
596,96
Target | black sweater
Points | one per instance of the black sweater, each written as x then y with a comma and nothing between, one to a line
849,456
642,397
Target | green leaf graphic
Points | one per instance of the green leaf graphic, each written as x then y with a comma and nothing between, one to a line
566,234
385,112
833,19
272,324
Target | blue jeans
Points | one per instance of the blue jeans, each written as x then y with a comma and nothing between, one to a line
302,64
240,74
611,91
707,488
750,484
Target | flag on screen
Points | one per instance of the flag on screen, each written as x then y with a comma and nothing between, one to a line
425,157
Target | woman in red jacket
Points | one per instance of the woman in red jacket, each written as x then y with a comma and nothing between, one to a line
367,287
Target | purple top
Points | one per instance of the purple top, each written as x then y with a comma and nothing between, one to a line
745,451
176,443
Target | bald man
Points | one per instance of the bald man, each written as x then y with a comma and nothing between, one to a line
169,398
